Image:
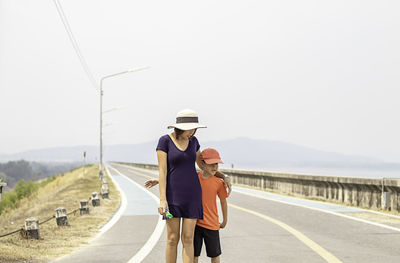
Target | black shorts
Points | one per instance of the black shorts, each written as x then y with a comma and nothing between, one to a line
211,239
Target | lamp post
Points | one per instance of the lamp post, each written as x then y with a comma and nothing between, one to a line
101,112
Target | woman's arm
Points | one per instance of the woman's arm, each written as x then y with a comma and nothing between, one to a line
162,179
198,160
227,181
224,208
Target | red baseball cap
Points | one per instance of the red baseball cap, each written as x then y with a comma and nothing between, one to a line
210,156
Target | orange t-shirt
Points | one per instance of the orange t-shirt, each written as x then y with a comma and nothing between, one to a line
210,188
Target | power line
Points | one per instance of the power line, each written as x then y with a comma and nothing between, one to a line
75,44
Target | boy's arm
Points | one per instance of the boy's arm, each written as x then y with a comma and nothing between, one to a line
151,183
224,208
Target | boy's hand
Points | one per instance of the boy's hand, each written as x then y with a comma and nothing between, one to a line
223,224
150,183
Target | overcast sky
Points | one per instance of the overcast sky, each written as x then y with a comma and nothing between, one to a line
323,74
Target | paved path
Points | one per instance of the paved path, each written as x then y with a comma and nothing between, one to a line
135,225
262,227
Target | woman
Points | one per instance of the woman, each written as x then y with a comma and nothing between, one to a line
180,190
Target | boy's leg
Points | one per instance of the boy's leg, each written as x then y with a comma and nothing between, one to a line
187,239
196,260
215,260
213,246
197,242
173,228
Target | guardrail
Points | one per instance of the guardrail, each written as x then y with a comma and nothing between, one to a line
381,193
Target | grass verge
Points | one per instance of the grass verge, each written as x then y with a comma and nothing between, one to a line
64,191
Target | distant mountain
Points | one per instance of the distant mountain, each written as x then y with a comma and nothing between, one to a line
56,154
243,153
143,152
251,152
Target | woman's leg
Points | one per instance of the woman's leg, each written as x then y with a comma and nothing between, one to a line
187,239
173,227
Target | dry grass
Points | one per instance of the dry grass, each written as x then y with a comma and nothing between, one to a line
65,191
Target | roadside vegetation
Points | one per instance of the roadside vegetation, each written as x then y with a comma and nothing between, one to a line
40,199
23,189
13,171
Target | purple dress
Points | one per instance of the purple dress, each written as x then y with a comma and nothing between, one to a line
183,187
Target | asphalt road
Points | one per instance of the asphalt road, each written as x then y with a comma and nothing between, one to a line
262,227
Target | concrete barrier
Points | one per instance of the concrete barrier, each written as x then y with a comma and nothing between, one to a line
361,192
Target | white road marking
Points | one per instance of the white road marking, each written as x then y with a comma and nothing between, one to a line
141,169
329,257
120,211
155,236
322,210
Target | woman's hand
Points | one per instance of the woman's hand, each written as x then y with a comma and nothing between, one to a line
226,179
228,184
151,183
162,207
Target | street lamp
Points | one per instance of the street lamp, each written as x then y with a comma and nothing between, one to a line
101,112
114,109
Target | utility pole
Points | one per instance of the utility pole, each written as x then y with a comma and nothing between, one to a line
84,163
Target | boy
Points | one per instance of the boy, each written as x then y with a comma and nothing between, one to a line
207,229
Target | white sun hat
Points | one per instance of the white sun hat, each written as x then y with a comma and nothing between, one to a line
187,119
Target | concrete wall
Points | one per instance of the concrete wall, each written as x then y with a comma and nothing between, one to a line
361,192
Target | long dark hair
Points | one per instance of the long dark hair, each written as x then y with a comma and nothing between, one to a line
179,132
